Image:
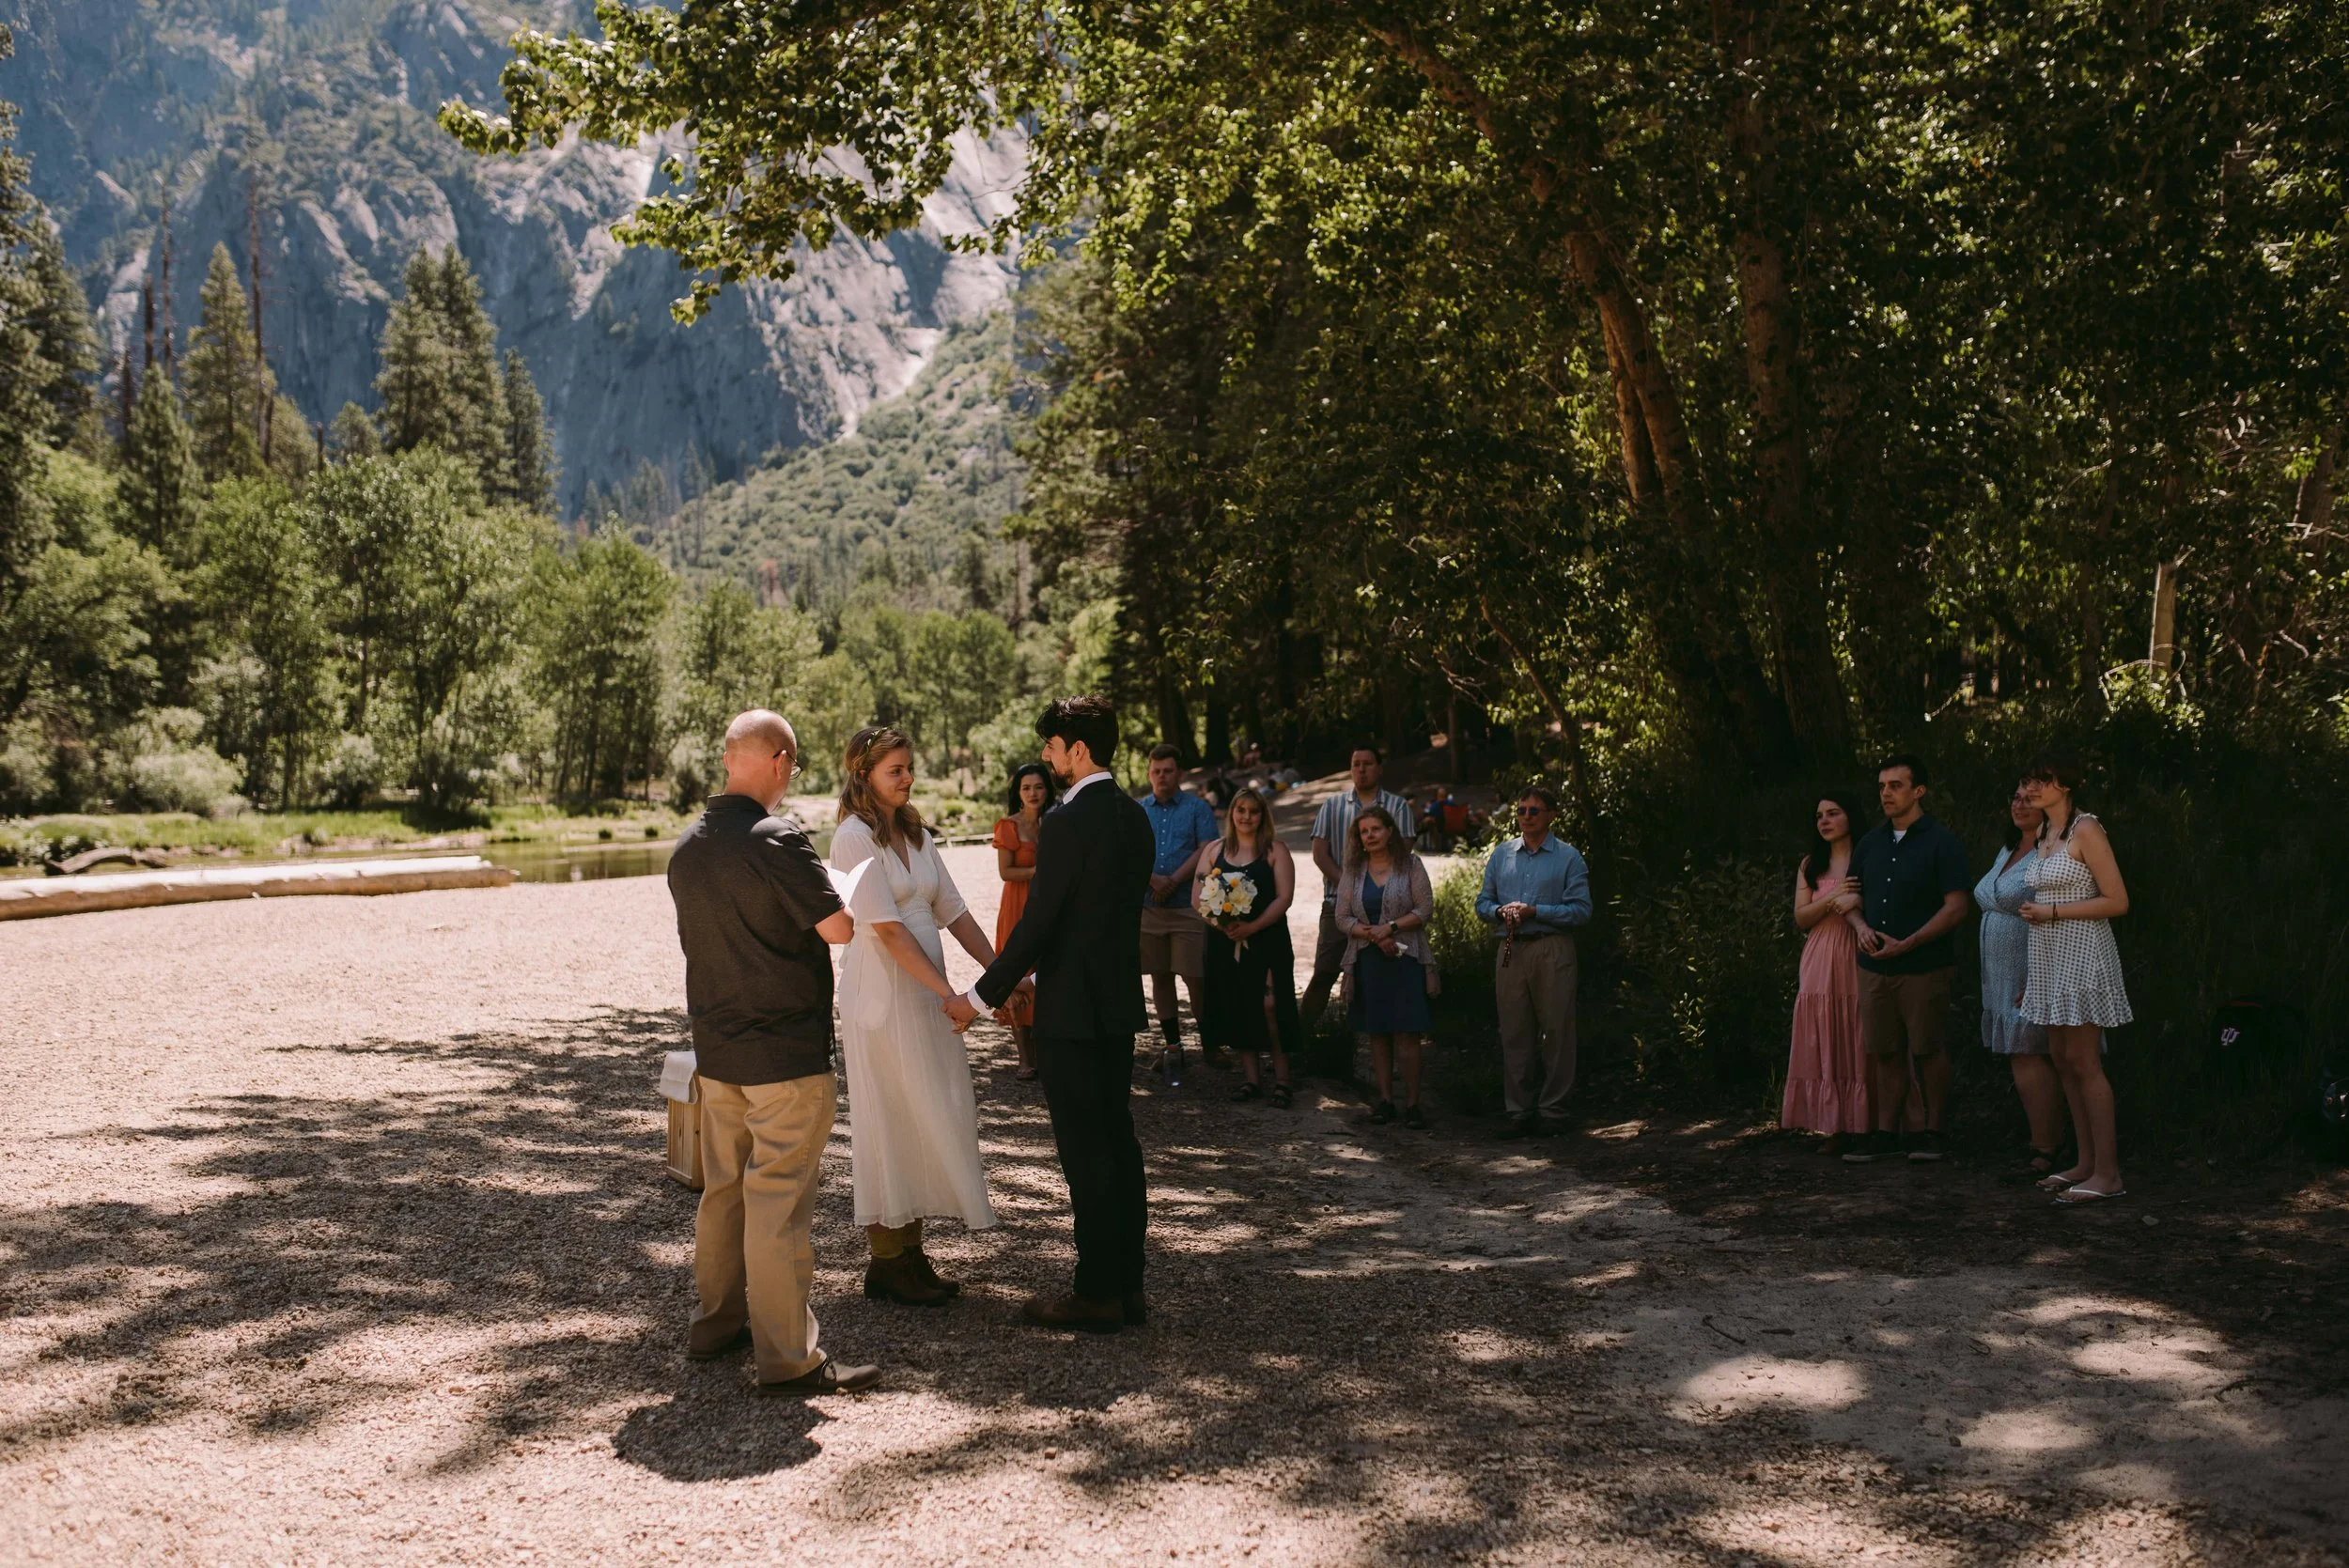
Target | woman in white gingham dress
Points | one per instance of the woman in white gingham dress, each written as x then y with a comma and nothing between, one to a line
2074,989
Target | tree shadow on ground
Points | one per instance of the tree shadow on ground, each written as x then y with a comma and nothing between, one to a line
1363,1326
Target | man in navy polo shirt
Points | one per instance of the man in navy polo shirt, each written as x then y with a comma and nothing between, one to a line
1913,889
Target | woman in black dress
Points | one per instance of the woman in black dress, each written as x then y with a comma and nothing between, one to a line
1252,975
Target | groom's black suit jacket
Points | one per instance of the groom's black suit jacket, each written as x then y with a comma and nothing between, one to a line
1081,931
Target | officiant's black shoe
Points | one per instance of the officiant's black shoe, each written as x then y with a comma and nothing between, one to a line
930,1272
830,1378
1136,1310
741,1340
1071,1311
903,1280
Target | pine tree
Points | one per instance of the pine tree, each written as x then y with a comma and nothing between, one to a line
220,375
417,382
439,381
61,320
353,435
24,374
481,416
156,496
529,470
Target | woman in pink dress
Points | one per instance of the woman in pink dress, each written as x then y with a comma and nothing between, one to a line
1827,1072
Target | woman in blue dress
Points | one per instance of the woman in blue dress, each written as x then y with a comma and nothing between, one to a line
1384,903
2005,967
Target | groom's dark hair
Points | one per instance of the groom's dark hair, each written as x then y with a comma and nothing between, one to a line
1090,720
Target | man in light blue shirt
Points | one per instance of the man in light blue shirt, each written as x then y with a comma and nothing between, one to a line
1173,937
1537,890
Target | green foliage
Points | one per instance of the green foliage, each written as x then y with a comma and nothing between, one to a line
1710,952
270,691
599,664
1463,945
167,768
735,654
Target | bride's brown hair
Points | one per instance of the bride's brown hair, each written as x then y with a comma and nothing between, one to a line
868,748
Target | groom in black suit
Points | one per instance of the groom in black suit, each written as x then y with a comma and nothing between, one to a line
1081,936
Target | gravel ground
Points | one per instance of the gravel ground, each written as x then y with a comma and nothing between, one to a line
333,1229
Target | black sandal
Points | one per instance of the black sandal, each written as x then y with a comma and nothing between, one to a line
1247,1092
1280,1095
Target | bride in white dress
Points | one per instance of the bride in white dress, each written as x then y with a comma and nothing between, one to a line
913,1130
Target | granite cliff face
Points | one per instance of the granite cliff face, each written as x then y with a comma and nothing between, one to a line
329,102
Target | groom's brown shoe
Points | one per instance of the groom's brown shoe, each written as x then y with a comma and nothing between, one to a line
1071,1311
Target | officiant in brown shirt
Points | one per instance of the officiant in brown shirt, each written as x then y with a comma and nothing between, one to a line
757,914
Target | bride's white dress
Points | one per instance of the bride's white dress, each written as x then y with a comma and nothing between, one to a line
914,1125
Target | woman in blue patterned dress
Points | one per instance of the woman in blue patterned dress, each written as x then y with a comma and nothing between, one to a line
2075,991
2005,968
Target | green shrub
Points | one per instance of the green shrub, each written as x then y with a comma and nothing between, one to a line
353,772
1710,957
1462,945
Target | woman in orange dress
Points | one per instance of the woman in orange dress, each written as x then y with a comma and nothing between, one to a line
1029,798
1827,1073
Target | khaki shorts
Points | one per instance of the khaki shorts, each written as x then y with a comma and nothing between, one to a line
1905,1013
1174,942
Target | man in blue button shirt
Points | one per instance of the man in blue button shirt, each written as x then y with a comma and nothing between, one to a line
1173,937
1537,890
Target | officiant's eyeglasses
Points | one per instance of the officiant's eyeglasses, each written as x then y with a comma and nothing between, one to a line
793,770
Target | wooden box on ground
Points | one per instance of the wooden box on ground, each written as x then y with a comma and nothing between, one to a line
681,1092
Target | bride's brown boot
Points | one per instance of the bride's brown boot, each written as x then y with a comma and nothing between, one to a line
904,1279
929,1273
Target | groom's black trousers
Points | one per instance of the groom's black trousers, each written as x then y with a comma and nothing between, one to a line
1087,1084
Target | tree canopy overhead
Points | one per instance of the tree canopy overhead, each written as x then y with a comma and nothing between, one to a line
1824,361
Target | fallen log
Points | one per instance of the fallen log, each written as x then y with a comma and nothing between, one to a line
28,900
73,865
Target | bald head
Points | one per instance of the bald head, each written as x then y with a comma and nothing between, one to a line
761,755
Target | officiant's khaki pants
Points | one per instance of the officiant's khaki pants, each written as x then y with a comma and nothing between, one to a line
762,1145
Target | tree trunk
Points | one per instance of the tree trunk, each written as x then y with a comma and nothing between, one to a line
1219,728
1175,716
1810,682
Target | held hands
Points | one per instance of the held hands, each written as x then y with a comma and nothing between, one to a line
960,1012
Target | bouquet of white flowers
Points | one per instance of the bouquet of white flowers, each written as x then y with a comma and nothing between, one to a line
1226,898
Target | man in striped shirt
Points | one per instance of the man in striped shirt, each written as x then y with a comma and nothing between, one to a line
1333,830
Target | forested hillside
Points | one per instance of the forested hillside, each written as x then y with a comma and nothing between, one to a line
305,131
911,502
